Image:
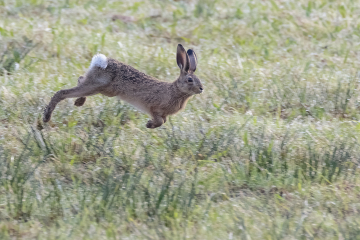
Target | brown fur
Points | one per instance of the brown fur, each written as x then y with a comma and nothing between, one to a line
154,97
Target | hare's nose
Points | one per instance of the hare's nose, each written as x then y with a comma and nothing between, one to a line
201,89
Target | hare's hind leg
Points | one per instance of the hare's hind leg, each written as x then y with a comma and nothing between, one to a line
81,100
76,92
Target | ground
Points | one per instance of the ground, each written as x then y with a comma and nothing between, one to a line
270,150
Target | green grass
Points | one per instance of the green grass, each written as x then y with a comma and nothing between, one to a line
270,150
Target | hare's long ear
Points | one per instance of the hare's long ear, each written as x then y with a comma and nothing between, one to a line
182,58
193,60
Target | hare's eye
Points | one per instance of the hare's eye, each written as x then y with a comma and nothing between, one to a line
190,79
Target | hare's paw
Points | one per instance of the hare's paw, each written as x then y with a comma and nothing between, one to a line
47,114
155,123
149,124
80,101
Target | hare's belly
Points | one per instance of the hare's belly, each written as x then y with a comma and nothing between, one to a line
136,103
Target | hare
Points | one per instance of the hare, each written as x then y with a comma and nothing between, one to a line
152,96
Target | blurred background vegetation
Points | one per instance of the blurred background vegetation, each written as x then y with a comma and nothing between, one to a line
270,150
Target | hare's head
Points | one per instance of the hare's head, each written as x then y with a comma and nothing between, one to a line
187,82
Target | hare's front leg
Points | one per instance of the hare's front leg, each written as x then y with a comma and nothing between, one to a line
157,121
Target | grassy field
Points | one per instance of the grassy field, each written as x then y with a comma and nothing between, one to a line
270,150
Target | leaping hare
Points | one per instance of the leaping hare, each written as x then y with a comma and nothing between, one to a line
156,98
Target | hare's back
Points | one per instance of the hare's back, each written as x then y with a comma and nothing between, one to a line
127,74
132,85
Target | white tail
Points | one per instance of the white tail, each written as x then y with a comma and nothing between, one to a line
99,60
